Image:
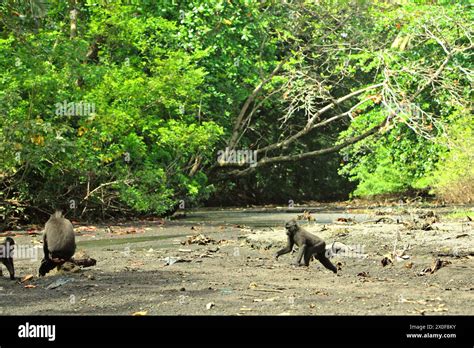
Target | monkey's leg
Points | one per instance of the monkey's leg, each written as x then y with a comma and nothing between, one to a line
307,255
9,264
303,250
325,261
313,251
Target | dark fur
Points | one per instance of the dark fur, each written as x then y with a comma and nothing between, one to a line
309,245
59,242
6,255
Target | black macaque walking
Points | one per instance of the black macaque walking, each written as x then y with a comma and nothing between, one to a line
309,245
59,243
6,255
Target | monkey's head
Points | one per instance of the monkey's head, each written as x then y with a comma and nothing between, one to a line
58,213
291,227
9,241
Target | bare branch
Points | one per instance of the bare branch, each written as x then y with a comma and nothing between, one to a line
310,124
289,158
106,184
250,99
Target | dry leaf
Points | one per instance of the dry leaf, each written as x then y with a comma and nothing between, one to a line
7,234
271,299
136,264
30,286
26,278
252,285
86,228
437,264
199,239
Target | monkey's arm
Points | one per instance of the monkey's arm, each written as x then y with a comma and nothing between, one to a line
285,250
300,254
46,263
45,248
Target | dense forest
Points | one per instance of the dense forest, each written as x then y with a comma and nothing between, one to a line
143,106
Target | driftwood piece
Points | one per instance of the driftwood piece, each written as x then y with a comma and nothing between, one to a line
87,262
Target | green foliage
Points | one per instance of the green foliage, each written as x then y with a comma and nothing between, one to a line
407,151
397,161
453,178
147,124
166,81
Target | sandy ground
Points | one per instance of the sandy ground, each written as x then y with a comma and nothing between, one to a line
237,274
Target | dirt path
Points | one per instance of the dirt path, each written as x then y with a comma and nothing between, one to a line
239,276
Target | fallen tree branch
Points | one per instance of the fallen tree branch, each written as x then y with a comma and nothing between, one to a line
87,262
288,158
128,181
310,124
